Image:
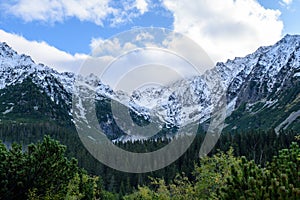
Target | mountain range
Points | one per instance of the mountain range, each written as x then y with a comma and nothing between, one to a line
261,92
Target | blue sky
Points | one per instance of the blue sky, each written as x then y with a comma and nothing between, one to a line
290,13
60,33
73,35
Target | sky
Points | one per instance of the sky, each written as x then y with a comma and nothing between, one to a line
62,33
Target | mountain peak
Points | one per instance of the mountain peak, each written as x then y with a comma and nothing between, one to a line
6,50
289,39
249,79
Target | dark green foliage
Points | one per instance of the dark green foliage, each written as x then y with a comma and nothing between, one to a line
279,180
259,115
41,171
224,176
257,145
29,103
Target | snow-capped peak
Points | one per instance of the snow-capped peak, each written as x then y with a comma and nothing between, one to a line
266,70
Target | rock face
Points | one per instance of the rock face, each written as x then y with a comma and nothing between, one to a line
270,69
259,81
260,86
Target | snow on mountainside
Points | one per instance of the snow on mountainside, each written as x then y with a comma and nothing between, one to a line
254,78
180,103
15,68
266,91
266,68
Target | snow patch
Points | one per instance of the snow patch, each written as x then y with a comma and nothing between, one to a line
231,107
285,124
129,138
8,110
296,74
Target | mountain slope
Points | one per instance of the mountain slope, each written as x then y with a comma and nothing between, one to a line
266,93
27,102
32,92
262,91
262,84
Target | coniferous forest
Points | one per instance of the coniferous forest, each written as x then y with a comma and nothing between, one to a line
243,165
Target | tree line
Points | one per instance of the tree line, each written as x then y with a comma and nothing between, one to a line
258,146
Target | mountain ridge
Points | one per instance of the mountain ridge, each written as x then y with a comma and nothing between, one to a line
263,77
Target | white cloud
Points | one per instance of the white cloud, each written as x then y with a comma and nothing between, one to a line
142,5
51,11
223,28
129,10
41,52
113,47
144,36
59,10
145,49
226,28
287,2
